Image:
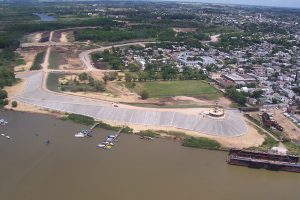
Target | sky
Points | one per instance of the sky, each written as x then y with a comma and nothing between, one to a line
276,3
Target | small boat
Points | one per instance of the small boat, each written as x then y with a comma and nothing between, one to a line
3,122
147,138
8,137
109,139
111,144
106,143
112,136
101,145
2,134
80,135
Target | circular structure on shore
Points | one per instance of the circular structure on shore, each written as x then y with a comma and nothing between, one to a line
216,113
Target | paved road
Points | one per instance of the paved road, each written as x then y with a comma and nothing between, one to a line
34,94
85,55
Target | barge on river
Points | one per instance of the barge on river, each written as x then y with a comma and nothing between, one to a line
266,160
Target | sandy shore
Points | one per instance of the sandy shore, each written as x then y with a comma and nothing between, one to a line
250,139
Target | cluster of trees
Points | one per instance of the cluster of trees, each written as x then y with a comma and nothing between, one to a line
153,72
114,35
141,32
85,83
3,98
113,59
231,41
237,96
7,60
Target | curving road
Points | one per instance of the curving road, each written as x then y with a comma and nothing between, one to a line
85,55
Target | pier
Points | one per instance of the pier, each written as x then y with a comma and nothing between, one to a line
108,144
87,132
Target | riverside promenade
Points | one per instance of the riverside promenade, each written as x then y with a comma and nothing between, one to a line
35,94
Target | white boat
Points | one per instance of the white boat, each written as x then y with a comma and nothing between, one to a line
101,145
112,136
7,137
2,134
111,144
109,139
3,122
106,143
80,135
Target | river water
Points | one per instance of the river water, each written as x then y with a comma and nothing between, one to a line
44,17
73,168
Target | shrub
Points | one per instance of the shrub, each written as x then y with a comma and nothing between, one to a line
14,104
3,102
144,94
83,76
81,119
201,142
149,133
3,94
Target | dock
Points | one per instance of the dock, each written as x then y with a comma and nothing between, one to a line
91,129
87,132
113,139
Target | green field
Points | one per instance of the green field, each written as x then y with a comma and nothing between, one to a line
193,88
53,64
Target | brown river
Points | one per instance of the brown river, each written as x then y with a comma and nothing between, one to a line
74,169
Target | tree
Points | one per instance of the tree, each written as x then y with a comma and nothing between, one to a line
99,86
14,104
83,76
128,77
112,76
169,72
236,95
144,94
105,77
3,94
3,102
133,67
257,94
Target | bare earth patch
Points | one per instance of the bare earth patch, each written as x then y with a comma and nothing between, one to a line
289,127
28,56
64,37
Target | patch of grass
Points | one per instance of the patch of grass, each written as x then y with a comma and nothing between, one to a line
193,88
201,142
53,57
37,63
292,147
20,61
80,119
125,129
234,105
85,120
149,133
268,143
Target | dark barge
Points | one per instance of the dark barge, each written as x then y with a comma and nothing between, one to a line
266,160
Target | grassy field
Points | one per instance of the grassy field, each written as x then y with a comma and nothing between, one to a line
192,88
37,63
53,64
